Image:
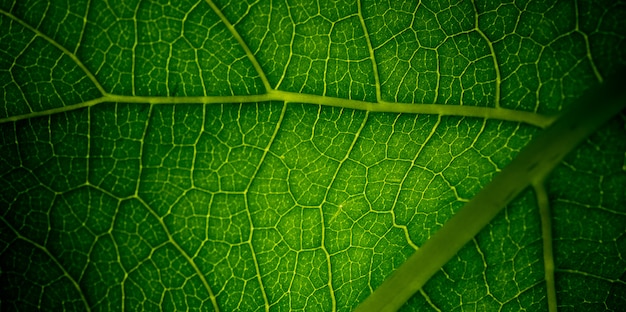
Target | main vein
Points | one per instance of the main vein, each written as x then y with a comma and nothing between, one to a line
530,167
530,118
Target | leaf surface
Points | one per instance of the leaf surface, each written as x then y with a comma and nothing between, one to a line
203,155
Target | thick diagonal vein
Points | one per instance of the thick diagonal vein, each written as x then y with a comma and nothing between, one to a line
531,166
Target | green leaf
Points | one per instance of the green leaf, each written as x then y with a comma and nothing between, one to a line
291,155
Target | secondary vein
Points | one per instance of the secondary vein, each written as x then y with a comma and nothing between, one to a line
534,119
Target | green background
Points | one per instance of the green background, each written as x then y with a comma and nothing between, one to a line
139,172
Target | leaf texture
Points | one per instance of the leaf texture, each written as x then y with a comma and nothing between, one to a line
216,155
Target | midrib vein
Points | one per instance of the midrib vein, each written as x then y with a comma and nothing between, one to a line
504,114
